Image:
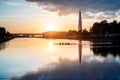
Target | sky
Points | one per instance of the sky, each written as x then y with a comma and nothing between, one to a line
36,16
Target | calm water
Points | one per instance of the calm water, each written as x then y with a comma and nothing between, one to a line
41,59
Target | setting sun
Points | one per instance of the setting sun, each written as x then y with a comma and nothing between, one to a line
51,27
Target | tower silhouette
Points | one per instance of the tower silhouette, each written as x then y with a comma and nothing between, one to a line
80,21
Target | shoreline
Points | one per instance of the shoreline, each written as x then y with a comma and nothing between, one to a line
82,38
6,39
90,39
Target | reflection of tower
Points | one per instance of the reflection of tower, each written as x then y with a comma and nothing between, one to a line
80,51
80,22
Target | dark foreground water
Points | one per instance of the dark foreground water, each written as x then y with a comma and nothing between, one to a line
47,59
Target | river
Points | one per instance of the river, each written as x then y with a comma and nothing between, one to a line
52,61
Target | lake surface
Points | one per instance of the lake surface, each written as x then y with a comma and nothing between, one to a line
48,59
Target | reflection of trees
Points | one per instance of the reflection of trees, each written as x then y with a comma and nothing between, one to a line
106,50
2,46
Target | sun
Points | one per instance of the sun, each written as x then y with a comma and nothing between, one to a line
51,27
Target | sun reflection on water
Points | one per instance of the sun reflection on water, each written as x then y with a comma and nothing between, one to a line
51,46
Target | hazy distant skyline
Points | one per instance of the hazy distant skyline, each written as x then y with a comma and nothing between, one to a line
35,16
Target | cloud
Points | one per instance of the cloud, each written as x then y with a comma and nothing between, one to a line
11,3
102,15
65,7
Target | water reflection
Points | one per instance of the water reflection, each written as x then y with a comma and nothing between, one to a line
69,70
106,49
51,46
59,62
80,51
2,46
25,54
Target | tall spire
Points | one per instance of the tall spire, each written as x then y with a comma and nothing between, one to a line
80,21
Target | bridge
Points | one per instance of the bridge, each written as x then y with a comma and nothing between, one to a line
28,35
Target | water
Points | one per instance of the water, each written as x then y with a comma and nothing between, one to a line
42,59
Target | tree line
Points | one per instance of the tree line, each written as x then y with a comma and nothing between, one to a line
98,28
104,27
4,34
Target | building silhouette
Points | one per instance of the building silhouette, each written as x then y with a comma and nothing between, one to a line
80,21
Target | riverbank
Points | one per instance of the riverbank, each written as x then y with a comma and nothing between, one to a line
90,38
6,39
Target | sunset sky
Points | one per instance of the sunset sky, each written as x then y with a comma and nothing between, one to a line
36,16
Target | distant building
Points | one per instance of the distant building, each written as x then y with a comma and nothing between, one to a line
80,22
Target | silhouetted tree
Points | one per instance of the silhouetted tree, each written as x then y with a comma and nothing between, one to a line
95,28
104,27
8,34
2,32
72,33
85,32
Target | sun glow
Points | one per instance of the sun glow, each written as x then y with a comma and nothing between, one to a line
51,47
51,27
